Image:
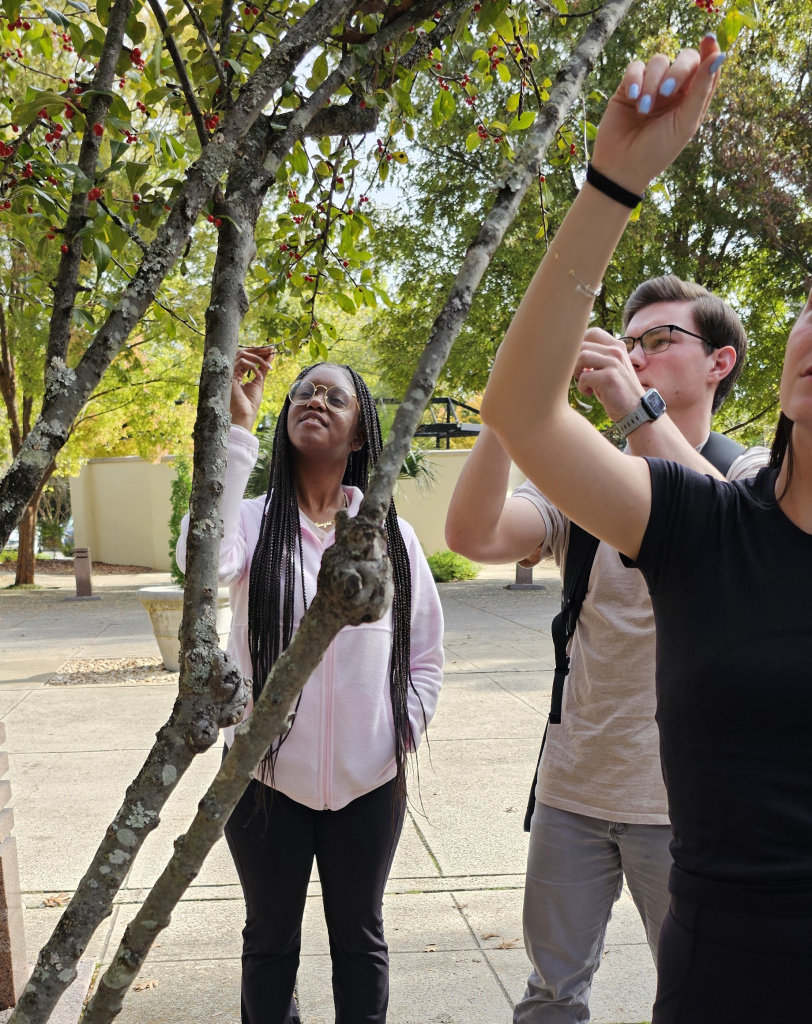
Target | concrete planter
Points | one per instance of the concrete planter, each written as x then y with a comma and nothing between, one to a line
165,608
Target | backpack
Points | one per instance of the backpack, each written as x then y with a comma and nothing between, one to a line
721,452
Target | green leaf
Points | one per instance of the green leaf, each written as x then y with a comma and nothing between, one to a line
298,159
401,157
591,131
155,59
472,142
635,215
383,170
136,29
504,26
101,256
319,72
135,171
513,102
344,302
82,318
498,126
518,124
503,71
437,110
78,6
58,19
732,26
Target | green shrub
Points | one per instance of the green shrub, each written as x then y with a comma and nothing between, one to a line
181,493
447,567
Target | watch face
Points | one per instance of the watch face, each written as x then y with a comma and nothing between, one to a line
653,403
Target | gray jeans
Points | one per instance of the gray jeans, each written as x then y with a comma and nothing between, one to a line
575,869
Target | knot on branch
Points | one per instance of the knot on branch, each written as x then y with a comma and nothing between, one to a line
355,579
202,731
228,689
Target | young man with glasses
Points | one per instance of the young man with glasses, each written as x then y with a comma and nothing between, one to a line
601,810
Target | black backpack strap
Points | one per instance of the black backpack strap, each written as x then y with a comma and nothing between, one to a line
581,549
721,451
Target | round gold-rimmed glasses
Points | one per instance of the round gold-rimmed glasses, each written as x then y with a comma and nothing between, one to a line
337,398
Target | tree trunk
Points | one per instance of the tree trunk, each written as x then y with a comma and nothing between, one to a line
26,556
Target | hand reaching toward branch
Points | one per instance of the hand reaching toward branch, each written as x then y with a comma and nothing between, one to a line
654,113
248,382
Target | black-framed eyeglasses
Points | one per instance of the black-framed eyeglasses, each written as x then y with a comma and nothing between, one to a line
657,339
337,398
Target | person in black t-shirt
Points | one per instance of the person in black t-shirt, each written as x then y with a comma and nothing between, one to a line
729,569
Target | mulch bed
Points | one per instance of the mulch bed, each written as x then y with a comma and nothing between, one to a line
64,567
112,671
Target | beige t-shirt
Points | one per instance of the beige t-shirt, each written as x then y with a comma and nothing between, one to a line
603,759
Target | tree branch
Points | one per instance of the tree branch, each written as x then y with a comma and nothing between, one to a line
67,277
180,71
204,35
355,582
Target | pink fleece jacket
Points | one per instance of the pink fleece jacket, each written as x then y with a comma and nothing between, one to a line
342,743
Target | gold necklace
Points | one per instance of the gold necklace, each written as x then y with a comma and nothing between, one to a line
331,522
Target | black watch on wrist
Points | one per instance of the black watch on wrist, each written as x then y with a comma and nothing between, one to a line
651,407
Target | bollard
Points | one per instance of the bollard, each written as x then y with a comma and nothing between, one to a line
13,967
524,579
83,573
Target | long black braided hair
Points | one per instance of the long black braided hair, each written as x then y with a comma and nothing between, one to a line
272,581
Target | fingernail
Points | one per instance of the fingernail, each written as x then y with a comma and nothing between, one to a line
668,86
710,35
717,64
644,106
634,91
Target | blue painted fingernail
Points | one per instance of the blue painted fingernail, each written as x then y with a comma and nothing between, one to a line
668,86
710,35
644,106
717,64
634,91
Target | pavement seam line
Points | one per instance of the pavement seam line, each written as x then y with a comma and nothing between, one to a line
467,604
483,951
425,843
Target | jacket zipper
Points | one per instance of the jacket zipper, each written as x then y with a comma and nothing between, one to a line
328,731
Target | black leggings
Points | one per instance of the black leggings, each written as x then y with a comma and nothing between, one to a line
731,967
273,852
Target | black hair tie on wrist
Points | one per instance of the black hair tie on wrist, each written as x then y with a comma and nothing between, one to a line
611,189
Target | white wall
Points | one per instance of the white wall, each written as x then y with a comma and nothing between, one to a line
121,510
121,507
427,514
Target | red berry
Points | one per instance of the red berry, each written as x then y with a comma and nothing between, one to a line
218,222
63,247
43,114
388,156
50,237
210,218
69,112
26,26
136,207
362,104
136,197
15,127
30,209
98,130
346,263
49,136
136,53
78,90
58,129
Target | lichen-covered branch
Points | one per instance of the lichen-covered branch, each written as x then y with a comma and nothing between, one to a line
67,277
355,578
67,390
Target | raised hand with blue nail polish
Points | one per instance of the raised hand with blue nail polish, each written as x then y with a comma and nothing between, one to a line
654,113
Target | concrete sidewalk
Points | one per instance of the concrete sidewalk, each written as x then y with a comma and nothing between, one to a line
458,874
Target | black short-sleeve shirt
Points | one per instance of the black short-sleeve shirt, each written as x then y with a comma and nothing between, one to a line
730,578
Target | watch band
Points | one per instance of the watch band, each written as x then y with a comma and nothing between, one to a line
642,414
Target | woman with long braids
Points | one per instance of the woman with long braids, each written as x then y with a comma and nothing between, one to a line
334,786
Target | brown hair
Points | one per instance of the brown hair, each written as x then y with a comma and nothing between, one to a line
714,318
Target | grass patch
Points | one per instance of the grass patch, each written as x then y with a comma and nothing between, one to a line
448,567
